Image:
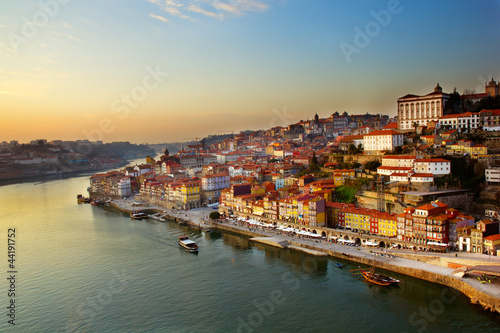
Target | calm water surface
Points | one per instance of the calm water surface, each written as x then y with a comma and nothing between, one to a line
87,269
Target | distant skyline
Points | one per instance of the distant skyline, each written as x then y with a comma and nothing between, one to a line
168,70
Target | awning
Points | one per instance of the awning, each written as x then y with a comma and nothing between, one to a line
436,243
259,213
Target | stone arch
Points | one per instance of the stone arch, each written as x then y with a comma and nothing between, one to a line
381,244
357,241
323,234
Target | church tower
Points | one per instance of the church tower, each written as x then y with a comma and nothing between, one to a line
491,88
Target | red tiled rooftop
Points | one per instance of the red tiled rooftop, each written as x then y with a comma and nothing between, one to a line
493,237
383,132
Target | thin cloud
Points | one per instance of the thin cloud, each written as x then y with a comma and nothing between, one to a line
73,38
158,17
2,92
216,9
239,7
196,9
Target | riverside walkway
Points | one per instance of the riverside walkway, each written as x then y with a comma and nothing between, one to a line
424,265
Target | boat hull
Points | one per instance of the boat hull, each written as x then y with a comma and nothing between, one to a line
188,244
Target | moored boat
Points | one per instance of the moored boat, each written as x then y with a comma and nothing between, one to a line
372,278
379,279
81,199
188,244
339,265
138,216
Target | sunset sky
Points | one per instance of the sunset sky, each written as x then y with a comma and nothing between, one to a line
170,70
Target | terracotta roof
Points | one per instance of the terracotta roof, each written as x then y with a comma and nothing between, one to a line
431,160
394,168
353,137
458,115
422,175
493,237
397,157
495,112
393,125
383,132
396,174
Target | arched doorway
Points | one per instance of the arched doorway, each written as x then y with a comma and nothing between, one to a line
314,232
323,234
381,244
357,241
346,237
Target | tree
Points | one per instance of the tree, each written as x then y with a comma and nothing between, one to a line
398,150
214,215
352,150
415,126
314,161
360,149
372,165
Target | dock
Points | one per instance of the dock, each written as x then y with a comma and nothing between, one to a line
161,215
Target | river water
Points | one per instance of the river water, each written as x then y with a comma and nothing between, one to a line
81,268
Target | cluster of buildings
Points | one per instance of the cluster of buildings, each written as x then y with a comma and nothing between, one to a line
265,173
429,110
42,158
409,169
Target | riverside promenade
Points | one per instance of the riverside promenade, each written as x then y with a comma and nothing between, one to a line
433,267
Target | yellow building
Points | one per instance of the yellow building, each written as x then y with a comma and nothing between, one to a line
387,225
190,195
339,176
258,208
492,244
357,219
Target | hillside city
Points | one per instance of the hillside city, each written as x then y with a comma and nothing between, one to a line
428,178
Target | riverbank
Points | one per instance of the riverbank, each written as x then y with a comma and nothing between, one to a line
196,219
423,266
486,295
34,178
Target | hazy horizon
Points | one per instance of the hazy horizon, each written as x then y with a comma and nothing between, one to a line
162,71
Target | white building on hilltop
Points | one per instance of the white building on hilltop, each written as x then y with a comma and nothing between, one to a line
463,121
421,109
382,140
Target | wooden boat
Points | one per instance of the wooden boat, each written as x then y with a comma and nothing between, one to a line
339,265
188,244
386,278
138,216
97,202
372,278
378,279
81,199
